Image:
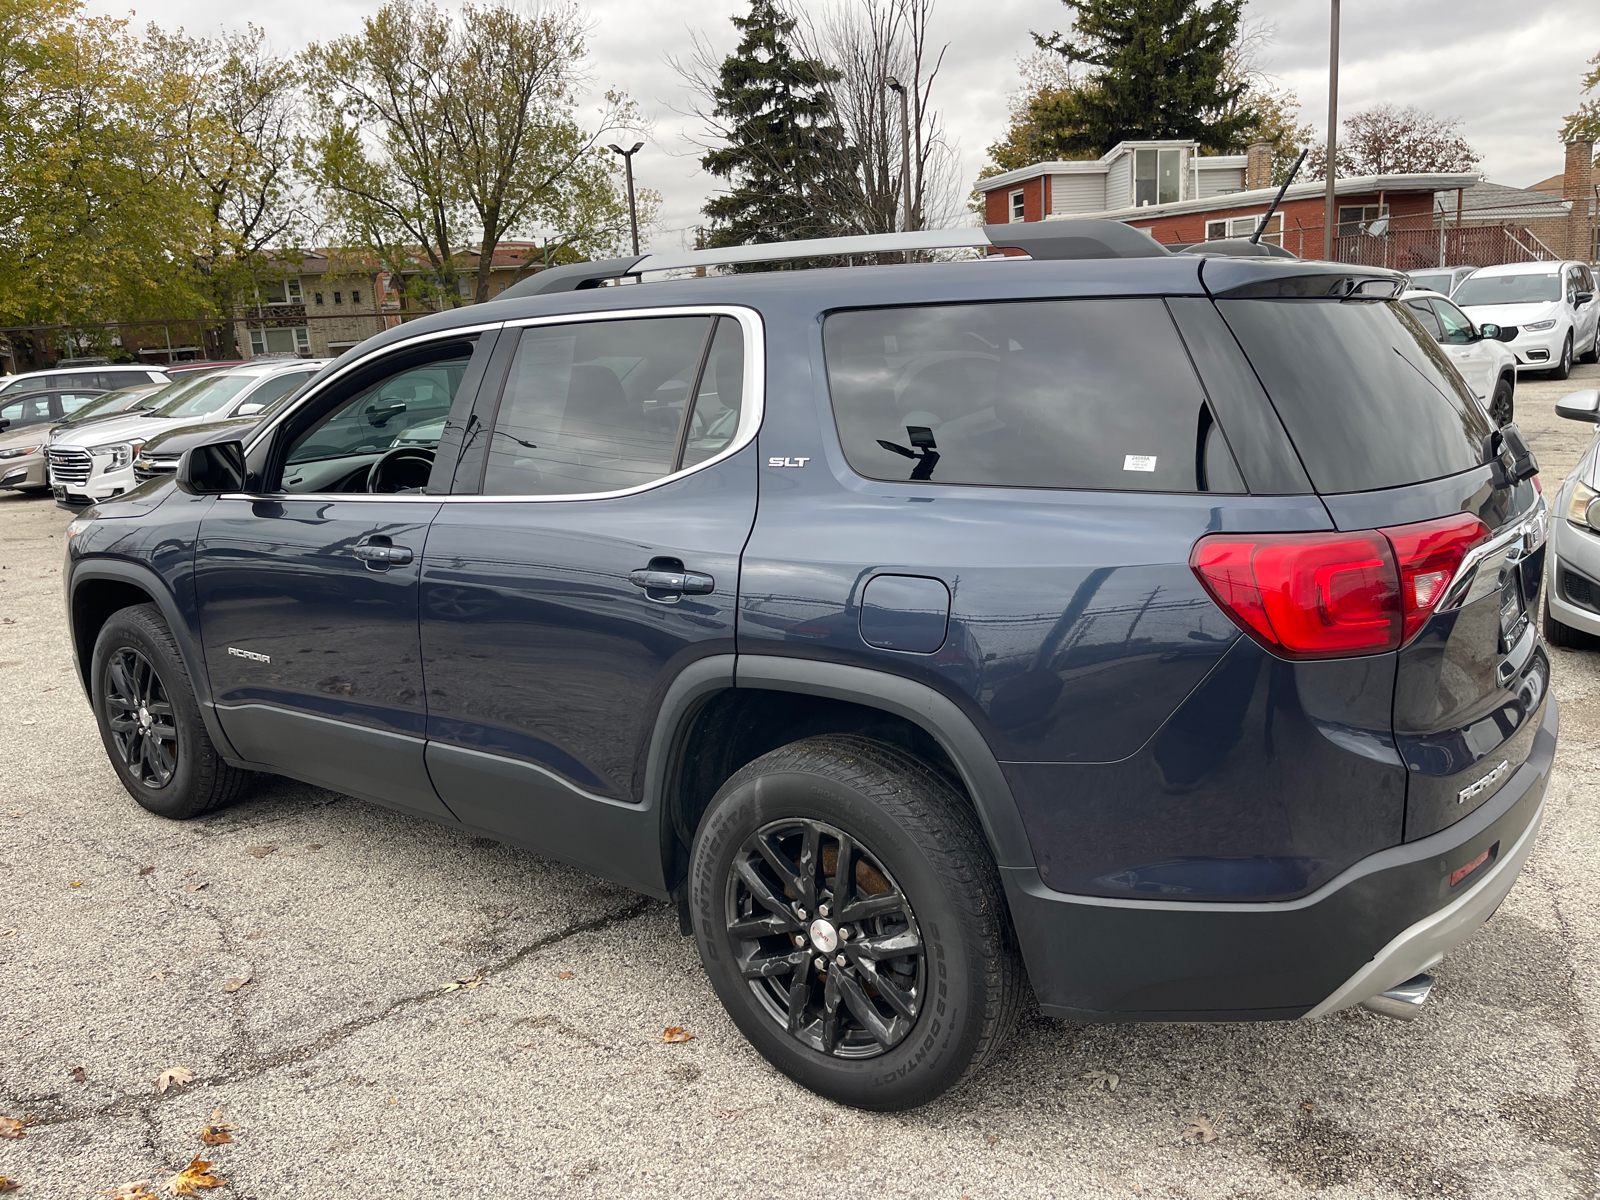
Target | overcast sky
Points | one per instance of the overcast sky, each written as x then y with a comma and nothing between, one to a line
1511,71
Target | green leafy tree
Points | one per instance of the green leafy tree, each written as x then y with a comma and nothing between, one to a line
775,126
1584,122
1154,69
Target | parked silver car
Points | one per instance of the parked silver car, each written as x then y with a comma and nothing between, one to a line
1572,597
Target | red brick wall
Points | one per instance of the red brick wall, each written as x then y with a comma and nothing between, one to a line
1406,210
997,204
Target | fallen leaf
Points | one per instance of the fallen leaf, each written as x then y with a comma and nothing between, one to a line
147,870
214,1132
1309,1107
313,845
235,983
18,812
133,1190
1202,1129
564,974
260,851
993,1141
79,1075
469,982
391,1099
8,1185
1103,1079
192,1178
10,1127
254,934
676,1033
6,932
76,883
160,976
173,1077
195,887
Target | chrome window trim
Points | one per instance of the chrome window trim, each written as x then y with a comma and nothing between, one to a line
750,416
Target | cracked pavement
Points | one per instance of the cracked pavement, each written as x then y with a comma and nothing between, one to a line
349,1070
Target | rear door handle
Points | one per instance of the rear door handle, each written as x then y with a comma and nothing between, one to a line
388,556
689,583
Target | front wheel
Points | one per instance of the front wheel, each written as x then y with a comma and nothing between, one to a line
1564,367
851,919
150,720
1500,404
1593,353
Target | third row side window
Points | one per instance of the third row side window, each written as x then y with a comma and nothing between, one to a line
602,406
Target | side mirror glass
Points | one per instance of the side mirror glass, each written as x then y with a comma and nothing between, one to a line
1580,406
1490,330
212,470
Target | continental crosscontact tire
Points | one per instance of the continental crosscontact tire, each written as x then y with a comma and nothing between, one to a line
852,921
150,720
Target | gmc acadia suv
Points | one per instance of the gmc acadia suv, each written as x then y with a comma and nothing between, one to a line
1151,630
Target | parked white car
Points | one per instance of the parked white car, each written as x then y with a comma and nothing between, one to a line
1547,310
96,462
1444,280
101,378
1485,362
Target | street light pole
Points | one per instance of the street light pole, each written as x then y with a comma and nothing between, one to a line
896,86
1330,204
633,208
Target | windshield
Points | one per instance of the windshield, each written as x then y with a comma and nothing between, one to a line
1509,289
1438,281
205,395
118,401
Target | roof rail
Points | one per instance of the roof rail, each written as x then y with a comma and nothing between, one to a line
1038,239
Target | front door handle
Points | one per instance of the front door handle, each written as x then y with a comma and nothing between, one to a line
688,583
383,556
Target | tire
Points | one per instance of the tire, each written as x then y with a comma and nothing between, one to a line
915,839
1501,404
1564,636
1564,367
141,694
1593,353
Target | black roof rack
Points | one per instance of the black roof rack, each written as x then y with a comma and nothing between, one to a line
1088,239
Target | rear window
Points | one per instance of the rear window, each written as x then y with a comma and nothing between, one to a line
1365,392
1059,394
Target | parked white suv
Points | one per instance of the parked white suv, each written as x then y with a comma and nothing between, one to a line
96,462
1547,310
101,378
1485,362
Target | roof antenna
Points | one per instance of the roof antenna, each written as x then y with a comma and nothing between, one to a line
1255,238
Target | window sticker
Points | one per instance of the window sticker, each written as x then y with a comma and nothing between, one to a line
1139,462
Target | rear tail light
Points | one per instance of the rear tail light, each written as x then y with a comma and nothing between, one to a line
1332,595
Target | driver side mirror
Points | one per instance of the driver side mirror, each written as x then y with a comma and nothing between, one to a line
212,470
5,424
248,410
1580,406
1583,298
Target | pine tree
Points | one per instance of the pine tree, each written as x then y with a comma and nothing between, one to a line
778,125
1157,69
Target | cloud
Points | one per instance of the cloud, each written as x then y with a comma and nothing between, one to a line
1510,72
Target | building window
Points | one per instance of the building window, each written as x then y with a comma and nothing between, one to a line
1018,210
318,296
355,297
1155,176
338,297
1243,227
281,291
1355,218
293,340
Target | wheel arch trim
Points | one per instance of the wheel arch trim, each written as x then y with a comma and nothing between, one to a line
147,581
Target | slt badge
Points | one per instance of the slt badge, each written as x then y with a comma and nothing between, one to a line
787,462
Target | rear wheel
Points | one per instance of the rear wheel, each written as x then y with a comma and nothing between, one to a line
150,721
851,919
1593,353
1564,367
1500,404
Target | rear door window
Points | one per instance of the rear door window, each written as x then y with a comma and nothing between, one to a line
1364,390
1094,394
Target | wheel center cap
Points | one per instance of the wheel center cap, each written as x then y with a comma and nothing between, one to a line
144,717
824,936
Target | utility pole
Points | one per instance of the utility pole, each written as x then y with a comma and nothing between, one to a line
896,86
1330,204
633,208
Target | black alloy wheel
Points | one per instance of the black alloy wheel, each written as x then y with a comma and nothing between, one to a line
850,916
140,718
825,938
150,721
1500,405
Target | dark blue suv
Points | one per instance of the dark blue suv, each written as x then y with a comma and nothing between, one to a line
1151,628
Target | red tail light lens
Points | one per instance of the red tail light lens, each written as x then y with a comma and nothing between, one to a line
1333,595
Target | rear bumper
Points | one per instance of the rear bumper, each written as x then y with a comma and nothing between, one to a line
1376,924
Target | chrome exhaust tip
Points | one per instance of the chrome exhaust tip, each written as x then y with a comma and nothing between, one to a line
1404,1001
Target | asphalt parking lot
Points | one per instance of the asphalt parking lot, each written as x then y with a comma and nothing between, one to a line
301,955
